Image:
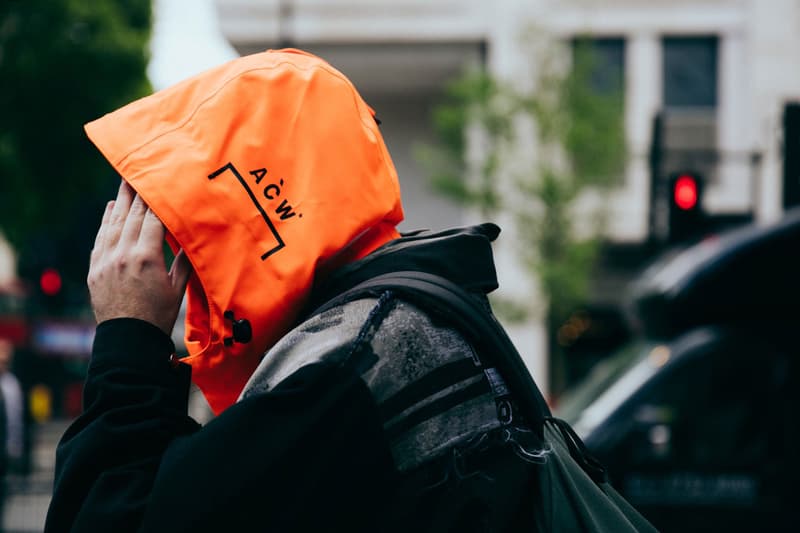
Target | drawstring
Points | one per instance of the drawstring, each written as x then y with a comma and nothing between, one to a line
370,326
577,449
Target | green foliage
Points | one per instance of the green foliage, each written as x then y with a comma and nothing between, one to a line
595,135
63,63
561,261
512,311
579,144
474,98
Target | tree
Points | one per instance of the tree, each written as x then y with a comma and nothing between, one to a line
63,63
577,145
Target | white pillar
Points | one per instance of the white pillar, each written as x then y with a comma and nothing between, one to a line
734,187
774,38
509,59
770,178
643,75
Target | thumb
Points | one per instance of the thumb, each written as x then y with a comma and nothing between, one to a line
180,271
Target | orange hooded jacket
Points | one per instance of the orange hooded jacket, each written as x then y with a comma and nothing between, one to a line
268,171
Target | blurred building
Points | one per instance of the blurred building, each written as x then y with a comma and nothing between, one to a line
716,73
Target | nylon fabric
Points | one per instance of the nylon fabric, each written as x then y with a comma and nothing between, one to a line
269,171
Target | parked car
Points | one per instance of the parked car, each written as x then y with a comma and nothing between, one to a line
697,419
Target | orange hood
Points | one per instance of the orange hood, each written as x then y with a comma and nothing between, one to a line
267,171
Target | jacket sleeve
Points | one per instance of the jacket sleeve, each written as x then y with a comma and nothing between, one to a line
135,405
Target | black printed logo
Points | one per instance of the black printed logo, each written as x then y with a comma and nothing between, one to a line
271,192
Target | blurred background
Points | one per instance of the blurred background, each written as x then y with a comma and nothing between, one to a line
642,158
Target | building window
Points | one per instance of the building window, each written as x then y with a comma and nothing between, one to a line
605,60
690,71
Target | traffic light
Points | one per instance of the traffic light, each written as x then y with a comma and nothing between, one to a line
51,287
686,217
50,282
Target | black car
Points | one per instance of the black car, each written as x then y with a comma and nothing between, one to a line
698,419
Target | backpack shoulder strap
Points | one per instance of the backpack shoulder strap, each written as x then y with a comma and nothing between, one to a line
456,306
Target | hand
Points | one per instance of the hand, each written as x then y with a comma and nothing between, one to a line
128,277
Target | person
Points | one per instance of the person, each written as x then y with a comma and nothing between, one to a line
269,178
12,429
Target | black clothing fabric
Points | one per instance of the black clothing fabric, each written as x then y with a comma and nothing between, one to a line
462,255
309,453
283,461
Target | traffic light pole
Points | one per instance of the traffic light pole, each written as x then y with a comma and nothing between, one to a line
669,224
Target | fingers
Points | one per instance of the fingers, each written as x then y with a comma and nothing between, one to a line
180,271
123,202
130,221
127,275
99,239
133,222
118,214
152,231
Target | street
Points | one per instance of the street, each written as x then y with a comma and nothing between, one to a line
28,498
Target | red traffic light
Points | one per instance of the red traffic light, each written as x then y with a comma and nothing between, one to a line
50,282
684,193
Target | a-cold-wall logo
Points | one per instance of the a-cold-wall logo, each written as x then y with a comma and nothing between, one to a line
271,192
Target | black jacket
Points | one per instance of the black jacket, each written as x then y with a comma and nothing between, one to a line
319,440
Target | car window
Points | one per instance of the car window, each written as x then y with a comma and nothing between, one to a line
605,386
710,432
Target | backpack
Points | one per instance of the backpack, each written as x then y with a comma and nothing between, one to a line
572,487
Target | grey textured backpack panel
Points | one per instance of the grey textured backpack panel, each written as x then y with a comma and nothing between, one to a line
572,490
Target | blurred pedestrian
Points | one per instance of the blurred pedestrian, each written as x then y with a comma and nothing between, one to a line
269,178
12,429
